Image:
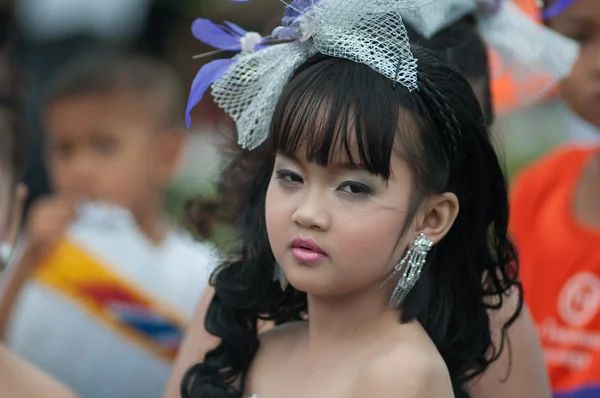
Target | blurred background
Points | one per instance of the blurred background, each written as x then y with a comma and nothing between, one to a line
50,32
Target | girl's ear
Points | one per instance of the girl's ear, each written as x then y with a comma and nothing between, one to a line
437,216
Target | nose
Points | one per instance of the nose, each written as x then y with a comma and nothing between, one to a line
311,212
81,175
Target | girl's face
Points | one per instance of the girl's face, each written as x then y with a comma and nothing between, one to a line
581,90
335,229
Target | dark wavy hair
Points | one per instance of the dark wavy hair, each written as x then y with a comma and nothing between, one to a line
440,131
461,46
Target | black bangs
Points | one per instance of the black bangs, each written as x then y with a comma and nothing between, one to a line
322,119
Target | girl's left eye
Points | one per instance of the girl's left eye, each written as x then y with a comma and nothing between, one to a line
289,177
355,188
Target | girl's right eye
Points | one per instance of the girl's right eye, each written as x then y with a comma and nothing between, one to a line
288,177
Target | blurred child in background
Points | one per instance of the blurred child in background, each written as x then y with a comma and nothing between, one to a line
105,285
556,220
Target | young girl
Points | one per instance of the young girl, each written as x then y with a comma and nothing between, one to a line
461,45
556,221
379,209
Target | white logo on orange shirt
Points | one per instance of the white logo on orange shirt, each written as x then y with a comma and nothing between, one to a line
579,299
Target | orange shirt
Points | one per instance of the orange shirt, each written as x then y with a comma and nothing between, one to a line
560,269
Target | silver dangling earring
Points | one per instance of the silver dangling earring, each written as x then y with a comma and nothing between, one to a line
279,276
412,263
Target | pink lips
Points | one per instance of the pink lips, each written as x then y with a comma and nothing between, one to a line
306,250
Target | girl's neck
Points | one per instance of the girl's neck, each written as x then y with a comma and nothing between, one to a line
348,319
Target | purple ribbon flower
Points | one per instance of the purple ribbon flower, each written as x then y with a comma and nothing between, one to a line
290,23
228,37
296,9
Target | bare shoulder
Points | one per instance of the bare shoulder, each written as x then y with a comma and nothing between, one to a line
276,344
410,369
281,338
18,378
196,344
